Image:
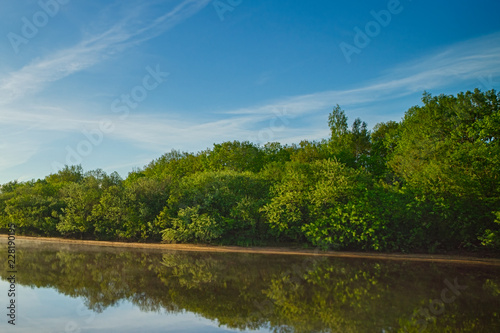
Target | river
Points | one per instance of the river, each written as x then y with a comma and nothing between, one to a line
75,288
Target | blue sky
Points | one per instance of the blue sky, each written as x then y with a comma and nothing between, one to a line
115,84
50,311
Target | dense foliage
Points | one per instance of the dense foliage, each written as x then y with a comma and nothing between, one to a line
429,182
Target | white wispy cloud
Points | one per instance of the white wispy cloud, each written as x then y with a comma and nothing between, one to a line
126,33
467,61
462,62
18,116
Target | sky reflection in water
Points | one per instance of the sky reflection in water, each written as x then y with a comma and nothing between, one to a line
64,288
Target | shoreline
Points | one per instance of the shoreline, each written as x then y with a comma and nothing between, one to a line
437,258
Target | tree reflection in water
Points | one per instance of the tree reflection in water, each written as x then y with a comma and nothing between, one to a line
282,293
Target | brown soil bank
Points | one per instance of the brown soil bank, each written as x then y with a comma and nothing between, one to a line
450,259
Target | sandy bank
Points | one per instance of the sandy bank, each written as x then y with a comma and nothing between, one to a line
450,259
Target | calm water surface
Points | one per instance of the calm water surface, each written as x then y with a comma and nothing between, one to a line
67,288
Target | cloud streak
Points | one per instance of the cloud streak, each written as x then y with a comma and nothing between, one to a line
467,61
463,62
92,50
17,117
459,63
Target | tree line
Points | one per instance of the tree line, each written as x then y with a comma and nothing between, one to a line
428,182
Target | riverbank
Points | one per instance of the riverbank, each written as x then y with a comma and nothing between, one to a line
469,258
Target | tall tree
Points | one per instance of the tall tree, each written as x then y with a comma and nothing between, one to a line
350,146
236,156
449,149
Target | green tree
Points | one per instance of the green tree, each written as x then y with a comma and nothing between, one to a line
274,152
69,174
225,202
315,202
34,207
288,208
383,138
108,214
236,156
449,149
7,191
78,216
145,198
173,165
350,146
307,152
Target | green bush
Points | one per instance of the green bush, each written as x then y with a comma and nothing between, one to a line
227,202
191,226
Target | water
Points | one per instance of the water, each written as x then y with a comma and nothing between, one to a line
68,288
